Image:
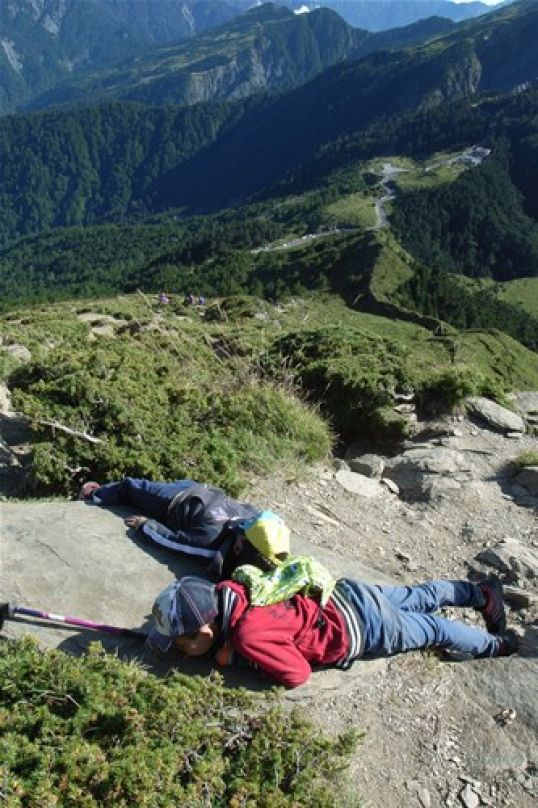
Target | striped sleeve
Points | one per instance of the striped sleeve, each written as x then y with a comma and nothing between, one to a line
228,600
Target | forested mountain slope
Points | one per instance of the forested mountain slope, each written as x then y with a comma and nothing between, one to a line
44,41
125,159
267,48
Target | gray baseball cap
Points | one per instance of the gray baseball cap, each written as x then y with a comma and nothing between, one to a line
183,607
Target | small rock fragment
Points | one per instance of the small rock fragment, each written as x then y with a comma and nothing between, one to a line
469,798
424,797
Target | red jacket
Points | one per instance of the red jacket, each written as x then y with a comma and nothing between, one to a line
287,639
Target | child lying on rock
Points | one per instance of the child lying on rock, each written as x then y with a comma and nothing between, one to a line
199,520
288,638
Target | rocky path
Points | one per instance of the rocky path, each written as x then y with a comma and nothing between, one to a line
437,733
388,173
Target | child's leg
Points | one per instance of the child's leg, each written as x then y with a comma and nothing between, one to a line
407,631
390,630
152,498
433,595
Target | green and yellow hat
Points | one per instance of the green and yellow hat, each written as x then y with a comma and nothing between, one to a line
269,534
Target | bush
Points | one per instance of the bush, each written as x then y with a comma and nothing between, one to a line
97,731
162,408
525,459
445,389
351,374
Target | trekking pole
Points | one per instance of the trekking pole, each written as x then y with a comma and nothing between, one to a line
9,610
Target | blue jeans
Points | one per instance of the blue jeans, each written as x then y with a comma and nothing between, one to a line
400,618
152,498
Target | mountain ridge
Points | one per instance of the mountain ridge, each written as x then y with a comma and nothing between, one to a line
268,48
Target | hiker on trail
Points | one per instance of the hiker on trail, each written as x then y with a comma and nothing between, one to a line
199,520
164,299
353,620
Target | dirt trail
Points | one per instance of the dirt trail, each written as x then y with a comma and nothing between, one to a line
435,731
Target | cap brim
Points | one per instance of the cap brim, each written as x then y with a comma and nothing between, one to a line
160,642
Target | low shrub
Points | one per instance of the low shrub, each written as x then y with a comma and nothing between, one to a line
96,731
161,408
350,373
445,388
526,459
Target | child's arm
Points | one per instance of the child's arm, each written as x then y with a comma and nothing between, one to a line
193,542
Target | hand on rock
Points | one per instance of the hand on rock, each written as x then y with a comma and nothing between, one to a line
135,521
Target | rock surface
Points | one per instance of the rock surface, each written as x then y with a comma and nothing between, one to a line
495,415
518,562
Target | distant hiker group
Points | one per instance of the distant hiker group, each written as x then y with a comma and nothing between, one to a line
188,300
281,613
193,300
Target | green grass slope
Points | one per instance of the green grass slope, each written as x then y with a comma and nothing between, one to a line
234,389
522,293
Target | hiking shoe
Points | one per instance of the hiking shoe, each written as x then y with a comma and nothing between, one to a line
509,643
87,490
493,609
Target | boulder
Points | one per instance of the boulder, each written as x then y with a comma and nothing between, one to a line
417,471
493,414
358,483
369,465
527,402
512,558
77,558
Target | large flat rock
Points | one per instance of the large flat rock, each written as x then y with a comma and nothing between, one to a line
79,559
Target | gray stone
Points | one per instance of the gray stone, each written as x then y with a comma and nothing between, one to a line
528,478
404,396
485,690
418,472
431,459
469,798
358,484
369,465
435,488
5,399
527,402
391,485
519,598
512,558
496,416
404,409
19,352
